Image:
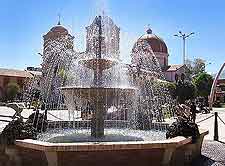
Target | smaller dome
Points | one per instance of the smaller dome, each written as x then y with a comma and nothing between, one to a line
56,31
59,29
156,43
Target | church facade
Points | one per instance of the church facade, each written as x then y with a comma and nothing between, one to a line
53,62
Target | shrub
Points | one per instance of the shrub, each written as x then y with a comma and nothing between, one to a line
12,90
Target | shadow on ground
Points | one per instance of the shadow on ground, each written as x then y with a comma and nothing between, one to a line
203,161
213,154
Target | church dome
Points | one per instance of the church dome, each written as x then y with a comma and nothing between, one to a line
156,43
59,29
56,31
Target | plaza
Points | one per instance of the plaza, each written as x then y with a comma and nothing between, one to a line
212,151
108,90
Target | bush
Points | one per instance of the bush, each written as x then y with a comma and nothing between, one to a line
203,83
12,90
171,88
185,91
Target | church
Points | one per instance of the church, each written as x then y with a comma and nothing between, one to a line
149,58
58,42
62,37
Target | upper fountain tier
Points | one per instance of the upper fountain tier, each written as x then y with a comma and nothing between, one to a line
98,63
99,57
110,37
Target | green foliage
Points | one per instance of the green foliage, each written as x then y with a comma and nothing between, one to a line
12,90
185,91
203,83
172,88
63,75
195,67
182,90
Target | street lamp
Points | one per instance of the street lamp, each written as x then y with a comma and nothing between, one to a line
40,54
184,36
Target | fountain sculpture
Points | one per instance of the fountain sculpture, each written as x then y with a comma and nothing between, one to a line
97,94
92,87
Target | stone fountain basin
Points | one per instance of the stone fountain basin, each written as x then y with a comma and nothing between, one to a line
92,93
176,151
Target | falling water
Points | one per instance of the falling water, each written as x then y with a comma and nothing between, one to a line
69,88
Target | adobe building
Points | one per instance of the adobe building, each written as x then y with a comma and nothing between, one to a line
11,75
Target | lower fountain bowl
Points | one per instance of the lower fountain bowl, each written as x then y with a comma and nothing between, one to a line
111,135
176,151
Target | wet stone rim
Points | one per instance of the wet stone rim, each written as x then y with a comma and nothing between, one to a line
96,146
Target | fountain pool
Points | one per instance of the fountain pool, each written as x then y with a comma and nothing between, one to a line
95,83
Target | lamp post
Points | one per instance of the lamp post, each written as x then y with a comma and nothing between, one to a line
40,54
184,37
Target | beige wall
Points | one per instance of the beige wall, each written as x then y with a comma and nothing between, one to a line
162,59
170,75
4,80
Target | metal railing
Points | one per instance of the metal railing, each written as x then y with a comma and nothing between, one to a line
7,116
205,119
216,117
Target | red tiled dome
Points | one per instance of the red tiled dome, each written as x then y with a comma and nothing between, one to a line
56,31
156,43
59,29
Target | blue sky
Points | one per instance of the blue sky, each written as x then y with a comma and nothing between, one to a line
24,22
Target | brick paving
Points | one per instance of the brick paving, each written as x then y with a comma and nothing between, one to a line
213,154
209,123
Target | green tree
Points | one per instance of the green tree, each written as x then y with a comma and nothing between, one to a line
203,83
171,88
185,91
195,67
12,90
199,66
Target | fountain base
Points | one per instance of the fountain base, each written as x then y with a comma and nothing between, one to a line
167,152
97,121
100,97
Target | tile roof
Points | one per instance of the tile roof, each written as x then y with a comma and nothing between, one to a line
15,73
35,73
174,67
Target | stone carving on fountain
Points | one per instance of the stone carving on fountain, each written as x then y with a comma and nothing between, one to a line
183,126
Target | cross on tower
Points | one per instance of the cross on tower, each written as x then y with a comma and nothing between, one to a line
59,21
149,30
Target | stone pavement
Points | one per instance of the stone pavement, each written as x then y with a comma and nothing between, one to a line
209,123
213,154
53,115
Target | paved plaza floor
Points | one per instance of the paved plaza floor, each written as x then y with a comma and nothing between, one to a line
213,152
209,123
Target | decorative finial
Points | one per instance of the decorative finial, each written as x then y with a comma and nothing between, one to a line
59,21
149,30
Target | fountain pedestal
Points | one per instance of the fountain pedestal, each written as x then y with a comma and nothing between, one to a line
98,96
97,121
98,93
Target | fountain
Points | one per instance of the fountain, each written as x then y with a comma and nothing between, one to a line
97,94
108,145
